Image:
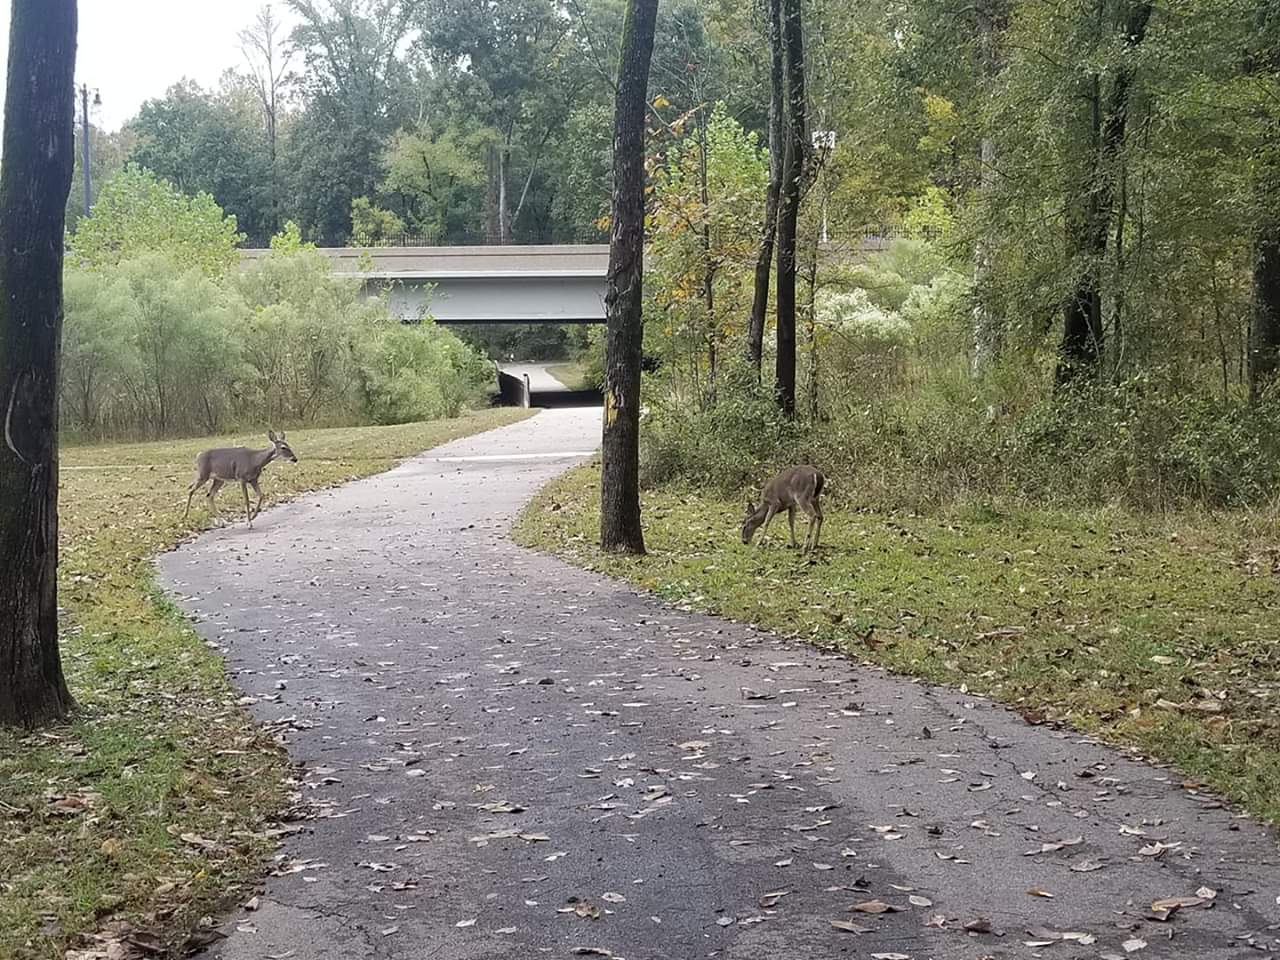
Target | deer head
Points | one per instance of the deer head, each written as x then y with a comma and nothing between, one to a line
283,449
751,522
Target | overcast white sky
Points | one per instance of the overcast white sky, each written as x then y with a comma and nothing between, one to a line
133,50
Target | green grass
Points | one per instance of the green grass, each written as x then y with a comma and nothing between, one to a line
93,813
572,375
1158,633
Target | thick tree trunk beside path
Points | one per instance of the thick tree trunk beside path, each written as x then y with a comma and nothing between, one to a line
35,178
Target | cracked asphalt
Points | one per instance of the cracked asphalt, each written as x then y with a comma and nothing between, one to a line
507,757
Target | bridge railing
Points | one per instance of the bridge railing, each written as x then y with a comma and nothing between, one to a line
435,239
875,234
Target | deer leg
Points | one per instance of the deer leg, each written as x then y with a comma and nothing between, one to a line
258,490
244,488
213,492
196,484
791,522
768,519
815,527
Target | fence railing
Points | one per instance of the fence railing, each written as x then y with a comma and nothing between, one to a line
433,239
871,233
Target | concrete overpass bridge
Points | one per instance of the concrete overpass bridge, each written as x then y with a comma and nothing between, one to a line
485,284
552,283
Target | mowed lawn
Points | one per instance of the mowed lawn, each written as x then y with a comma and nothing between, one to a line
1158,633
153,805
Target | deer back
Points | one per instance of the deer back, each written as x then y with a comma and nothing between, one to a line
234,463
793,486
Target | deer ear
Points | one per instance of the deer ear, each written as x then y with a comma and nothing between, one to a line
271,435
282,436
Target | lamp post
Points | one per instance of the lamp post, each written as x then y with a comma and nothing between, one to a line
84,137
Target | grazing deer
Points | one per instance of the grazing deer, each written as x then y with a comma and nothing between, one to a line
232,464
791,488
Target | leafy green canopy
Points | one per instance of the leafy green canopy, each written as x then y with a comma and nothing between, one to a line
138,213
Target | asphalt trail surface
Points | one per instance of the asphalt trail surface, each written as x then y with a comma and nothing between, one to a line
507,757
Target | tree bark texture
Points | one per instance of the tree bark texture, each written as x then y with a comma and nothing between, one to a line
1263,350
35,178
769,229
789,208
620,529
1089,228
1264,324
992,19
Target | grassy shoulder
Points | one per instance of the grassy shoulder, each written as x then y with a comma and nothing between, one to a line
572,375
151,805
1158,633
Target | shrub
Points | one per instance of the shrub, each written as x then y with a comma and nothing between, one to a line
417,372
156,348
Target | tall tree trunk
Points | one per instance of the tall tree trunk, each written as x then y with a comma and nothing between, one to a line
708,263
491,225
1089,231
992,18
789,212
769,230
1264,325
504,215
39,150
811,328
1262,353
620,529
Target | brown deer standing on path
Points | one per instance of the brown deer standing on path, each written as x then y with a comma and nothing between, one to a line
237,464
791,488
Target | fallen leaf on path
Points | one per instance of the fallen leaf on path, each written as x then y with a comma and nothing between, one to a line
1055,846
920,901
1037,892
1133,945
875,906
467,923
848,927
613,897
978,925
502,806
1087,866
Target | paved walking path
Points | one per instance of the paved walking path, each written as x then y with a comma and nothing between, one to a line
515,759
541,380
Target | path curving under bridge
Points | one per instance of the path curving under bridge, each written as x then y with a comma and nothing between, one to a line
508,757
